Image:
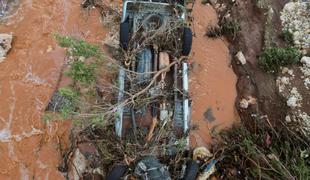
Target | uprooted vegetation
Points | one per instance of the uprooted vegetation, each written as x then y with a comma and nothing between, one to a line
90,101
266,152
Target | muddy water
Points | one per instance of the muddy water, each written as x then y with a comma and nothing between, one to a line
29,147
212,80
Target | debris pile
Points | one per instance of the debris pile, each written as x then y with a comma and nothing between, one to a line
288,88
5,45
295,18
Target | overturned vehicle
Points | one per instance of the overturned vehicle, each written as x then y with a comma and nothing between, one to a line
156,41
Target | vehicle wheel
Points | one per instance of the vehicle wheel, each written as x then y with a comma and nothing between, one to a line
191,170
124,35
117,172
187,41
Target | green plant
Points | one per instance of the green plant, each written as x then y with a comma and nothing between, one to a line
82,72
230,28
272,58
79,47
69,106
68,93
288,37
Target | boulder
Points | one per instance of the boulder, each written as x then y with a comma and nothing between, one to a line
240,57
5,45
306,61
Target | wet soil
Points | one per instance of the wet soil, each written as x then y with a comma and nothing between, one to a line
252,81
212,80
30,147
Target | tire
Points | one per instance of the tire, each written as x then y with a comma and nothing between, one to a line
192,169
187,41
124,35
117,172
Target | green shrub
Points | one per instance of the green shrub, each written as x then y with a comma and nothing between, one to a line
68,93
288,37
230,28
272,58
69,106
82,72
79,47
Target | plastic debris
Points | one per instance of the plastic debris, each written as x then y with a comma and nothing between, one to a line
208,171
151,168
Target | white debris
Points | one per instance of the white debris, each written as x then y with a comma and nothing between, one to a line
295,19
241,58
306,61
294,99
5,45
244,104
292,102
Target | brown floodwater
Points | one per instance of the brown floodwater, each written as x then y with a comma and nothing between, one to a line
212,80
29,147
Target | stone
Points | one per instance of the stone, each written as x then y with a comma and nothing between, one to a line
288,119
240,57
5,45
306,61
292,102
245,102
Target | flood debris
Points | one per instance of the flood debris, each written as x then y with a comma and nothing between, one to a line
208,170
5,45
151,168
201,153
240,57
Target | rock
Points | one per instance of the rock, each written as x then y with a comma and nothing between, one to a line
78,165
288,119
285,80
292,102
201,153
306,61
295,19
245,102
5,45
284,70
240,57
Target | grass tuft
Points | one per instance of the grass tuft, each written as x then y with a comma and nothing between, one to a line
271,59
79,47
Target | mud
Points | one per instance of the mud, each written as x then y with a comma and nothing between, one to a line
212,80
30,147
252,81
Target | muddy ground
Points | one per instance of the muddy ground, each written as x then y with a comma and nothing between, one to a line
31,72
29,147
